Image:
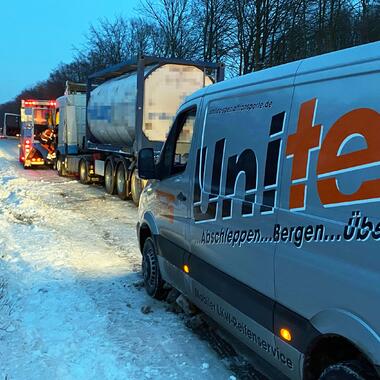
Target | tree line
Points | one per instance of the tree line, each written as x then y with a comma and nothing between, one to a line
247,35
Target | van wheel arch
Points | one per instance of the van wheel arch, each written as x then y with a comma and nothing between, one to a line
332,349
144,234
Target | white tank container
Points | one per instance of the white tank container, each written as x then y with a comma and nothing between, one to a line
112,105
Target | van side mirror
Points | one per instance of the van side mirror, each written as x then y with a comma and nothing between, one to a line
145,164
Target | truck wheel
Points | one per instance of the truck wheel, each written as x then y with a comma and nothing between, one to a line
83,172
350,370
154,284
121,185
136,187
109,178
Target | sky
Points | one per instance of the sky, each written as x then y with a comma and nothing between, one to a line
36,36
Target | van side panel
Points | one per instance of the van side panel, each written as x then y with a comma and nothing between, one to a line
282,217
328,230
234,207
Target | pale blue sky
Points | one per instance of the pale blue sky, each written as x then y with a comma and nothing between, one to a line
35,36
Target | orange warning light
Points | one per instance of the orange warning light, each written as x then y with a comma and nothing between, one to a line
285,334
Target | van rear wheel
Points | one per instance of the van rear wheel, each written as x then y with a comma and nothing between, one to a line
350,370
154,284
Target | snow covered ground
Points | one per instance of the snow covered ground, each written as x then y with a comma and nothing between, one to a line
69,307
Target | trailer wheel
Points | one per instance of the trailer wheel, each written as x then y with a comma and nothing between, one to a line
109,178
60,167
121,184
136,187
83,172
154,284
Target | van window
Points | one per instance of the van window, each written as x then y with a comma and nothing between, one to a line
177,148
182,147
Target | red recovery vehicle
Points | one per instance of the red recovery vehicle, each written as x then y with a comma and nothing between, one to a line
37,132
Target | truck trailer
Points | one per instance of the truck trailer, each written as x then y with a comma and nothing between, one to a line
126,107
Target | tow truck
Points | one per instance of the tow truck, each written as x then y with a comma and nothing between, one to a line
37,132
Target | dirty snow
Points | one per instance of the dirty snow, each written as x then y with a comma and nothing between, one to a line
69,304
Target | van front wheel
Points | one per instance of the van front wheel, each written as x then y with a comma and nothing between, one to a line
350,370
154,284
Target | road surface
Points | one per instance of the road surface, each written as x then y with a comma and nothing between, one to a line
70,304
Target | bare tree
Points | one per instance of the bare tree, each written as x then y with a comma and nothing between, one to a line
213,20
175,36
141,38
257,26
247,35
367,21
106,43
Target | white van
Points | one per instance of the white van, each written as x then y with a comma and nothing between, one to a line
264,209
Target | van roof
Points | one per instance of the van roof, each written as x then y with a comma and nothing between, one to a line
340,58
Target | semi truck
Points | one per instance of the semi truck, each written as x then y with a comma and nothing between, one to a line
126,107
37,132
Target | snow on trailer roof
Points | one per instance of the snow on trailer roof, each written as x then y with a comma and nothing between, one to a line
337,59
132,65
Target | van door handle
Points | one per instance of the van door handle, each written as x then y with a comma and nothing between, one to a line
181,197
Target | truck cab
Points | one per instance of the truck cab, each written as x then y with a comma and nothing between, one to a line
71,121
